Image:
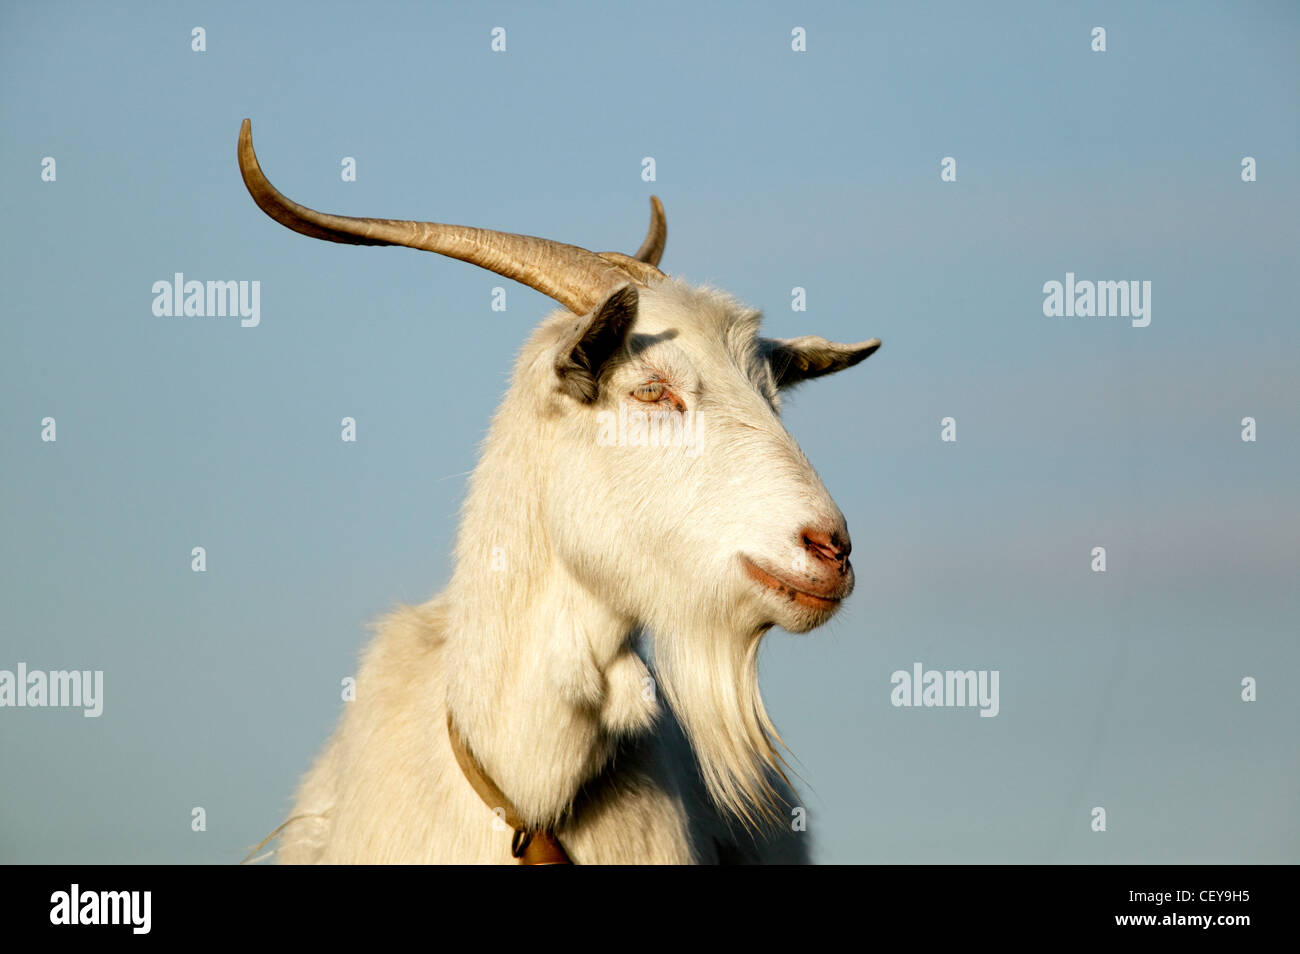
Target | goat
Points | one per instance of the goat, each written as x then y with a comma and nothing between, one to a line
514,715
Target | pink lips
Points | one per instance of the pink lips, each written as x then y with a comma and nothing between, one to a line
822,597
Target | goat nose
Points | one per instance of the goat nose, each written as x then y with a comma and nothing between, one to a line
831,546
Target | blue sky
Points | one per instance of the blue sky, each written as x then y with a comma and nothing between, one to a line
777,169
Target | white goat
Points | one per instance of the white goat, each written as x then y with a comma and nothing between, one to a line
579,536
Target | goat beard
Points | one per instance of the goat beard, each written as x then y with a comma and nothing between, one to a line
710,679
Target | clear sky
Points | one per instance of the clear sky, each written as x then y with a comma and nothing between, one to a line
819,169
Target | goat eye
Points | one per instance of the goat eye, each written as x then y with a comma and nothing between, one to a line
650,392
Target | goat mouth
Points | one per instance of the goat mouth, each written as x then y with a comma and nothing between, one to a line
827,598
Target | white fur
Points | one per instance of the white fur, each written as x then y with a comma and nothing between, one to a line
604,547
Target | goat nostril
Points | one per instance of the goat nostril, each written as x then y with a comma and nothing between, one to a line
831,547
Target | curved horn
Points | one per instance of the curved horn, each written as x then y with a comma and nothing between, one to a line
652,249
643,273
575,277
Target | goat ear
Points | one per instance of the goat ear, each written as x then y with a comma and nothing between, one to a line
798,359
595,338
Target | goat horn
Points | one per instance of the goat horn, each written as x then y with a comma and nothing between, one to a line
652,249
575,277
643,273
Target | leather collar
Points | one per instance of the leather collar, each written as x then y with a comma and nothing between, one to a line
532,846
